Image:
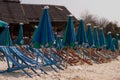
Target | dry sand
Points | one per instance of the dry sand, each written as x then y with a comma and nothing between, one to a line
105,71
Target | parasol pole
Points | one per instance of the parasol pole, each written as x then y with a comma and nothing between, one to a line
89,44
117,35
43,51
67,59
42,46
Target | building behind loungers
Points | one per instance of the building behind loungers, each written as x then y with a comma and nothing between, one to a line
13,12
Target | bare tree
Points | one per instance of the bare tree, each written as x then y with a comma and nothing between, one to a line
88,18
102,22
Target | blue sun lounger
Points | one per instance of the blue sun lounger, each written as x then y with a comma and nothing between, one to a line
10,58
53,55
51,61
25,58
48,61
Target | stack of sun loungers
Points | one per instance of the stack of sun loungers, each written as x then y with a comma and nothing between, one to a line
88,48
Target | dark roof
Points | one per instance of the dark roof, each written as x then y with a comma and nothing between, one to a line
17,1
11,12
34,12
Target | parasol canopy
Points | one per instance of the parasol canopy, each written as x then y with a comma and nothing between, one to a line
90,35
81,34
3,23
5,38
110,45
44,34
69,35
96,38
20,40
102,38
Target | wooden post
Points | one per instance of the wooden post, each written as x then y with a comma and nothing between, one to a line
67,59
90,52
42,54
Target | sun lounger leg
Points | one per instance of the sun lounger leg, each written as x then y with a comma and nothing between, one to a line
40,67
53,68
35,71
26,73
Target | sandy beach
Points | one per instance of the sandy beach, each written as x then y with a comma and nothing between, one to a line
105,71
